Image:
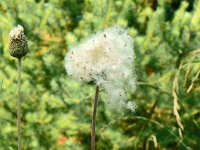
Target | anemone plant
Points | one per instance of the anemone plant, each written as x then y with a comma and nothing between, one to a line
18,47
105,58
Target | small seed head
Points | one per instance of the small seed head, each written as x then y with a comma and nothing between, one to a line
18,45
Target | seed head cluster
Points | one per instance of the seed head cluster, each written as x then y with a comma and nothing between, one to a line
18,45
105,58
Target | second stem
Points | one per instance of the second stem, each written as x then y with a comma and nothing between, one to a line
94,118
19,105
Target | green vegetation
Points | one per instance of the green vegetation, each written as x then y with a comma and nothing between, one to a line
56,111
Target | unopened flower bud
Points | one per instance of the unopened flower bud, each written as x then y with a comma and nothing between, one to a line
18,45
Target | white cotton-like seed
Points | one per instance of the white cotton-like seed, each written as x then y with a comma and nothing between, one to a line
16,32
105,58
131,105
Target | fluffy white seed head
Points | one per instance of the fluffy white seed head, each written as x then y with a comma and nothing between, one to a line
105,58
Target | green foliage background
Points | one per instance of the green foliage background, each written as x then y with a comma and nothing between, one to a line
56,111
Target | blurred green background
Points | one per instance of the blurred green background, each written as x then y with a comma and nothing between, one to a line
56,111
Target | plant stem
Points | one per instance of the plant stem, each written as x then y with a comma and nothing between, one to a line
94,118
19,105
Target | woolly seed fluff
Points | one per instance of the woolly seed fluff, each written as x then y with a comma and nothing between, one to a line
16,32
105,58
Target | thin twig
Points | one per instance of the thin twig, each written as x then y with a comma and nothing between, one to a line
193,80
175,89
19,105
94,118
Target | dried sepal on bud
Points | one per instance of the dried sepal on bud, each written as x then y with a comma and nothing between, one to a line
18,45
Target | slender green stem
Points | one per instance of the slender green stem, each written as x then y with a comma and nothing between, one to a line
94,118
19,105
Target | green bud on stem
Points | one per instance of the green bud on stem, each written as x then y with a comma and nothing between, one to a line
18,45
